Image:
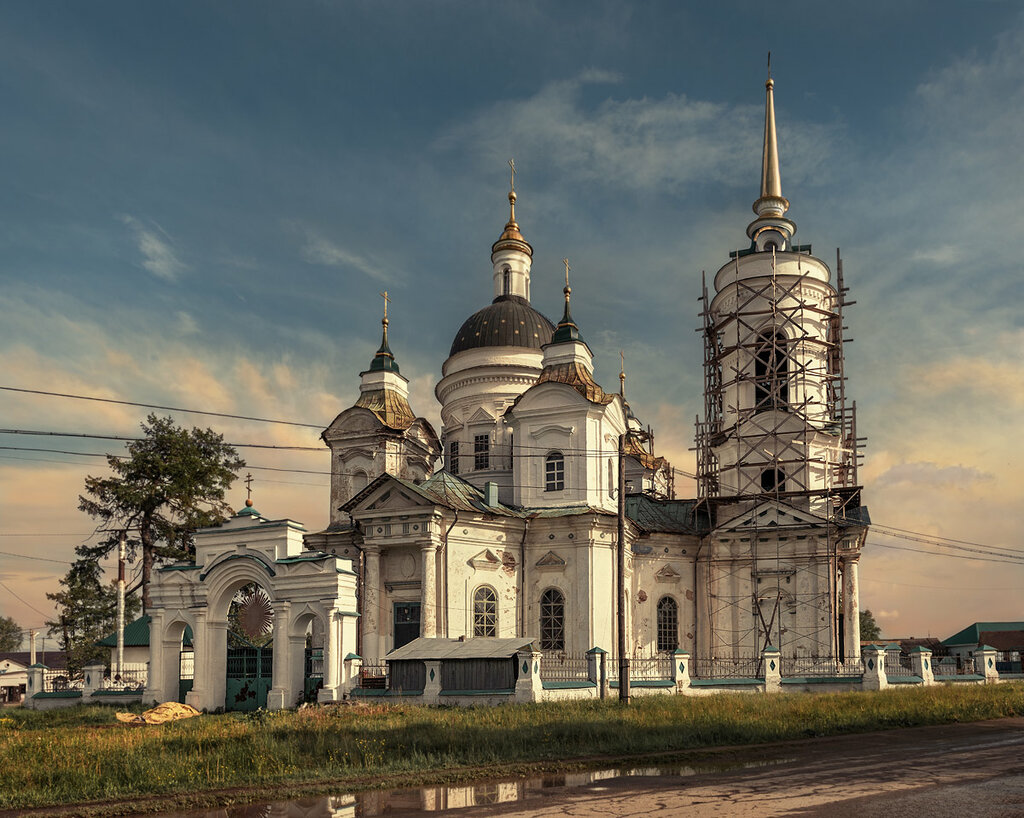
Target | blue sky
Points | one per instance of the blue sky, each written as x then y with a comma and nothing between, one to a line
201,202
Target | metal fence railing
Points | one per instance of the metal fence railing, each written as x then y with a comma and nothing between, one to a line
739,667
373,677
564,667
57,681
809,666
131,677
651,668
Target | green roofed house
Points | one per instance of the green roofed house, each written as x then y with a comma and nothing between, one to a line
1005,637
136,642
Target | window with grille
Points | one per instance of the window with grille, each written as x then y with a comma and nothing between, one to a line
554,472
668,624
481,452
552,620
485,612
453,457
771,371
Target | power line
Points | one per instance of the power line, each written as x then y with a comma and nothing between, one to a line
162,408
22,601
29,557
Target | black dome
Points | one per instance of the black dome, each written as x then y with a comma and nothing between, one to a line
509,321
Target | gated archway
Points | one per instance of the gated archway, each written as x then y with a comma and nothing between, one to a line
250,649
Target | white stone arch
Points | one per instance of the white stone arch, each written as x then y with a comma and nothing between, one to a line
293,664
223,579
166,632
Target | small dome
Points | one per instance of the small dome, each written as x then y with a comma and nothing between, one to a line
509,321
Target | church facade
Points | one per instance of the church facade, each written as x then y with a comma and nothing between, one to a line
505,524
515,535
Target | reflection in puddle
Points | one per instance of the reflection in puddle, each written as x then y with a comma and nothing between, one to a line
426,800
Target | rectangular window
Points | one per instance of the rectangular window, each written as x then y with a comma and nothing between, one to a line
554,472
453,457
481,452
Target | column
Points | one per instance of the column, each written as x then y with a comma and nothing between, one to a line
331,691
371,604
851,608
197,696
282,693
428,610
156,681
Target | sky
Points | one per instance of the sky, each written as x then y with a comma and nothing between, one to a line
201,202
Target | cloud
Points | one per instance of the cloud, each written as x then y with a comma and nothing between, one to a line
319,250
155,245
927,475
663,145
187,324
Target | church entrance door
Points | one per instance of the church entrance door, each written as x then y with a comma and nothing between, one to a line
407,622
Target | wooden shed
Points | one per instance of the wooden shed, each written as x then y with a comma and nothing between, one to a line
483,664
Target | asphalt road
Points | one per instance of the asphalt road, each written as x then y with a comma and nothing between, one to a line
957,770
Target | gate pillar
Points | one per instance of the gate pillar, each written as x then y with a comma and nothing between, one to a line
282,694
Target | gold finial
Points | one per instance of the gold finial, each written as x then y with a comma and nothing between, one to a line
248,490
622,374
512,175
769,66
568,289
386,298
512,193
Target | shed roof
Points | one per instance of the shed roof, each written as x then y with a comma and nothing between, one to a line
483,647
668,516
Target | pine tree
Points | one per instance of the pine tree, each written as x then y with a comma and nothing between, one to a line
172,483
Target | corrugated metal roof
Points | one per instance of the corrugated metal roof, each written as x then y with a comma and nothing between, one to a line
136,635
479,648
972,635
663,516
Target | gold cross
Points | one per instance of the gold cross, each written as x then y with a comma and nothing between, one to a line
386,298
248,486
622,357
512,174
565,261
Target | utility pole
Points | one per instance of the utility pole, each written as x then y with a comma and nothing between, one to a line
623,658
121,554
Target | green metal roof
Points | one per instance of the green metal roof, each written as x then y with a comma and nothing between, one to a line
665,516
136,635
972,635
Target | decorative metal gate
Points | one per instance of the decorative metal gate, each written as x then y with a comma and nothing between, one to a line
250,655
250,673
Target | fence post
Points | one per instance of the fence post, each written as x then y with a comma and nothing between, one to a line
352,665
597,670
529,687
92,679
921,661
874,668
432,685
35,680
681,670
772,659
985,663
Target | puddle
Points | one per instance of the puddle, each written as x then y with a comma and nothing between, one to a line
424,801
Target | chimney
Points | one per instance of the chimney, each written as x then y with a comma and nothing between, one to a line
491,493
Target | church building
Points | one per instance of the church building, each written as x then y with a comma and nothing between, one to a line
505,523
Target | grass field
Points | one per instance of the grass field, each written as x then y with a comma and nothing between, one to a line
85,755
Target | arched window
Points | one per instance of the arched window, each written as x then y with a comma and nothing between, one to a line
771,371
506,281
485,612
552,620
554,472
773,480
668,624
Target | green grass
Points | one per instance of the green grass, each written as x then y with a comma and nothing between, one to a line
83,754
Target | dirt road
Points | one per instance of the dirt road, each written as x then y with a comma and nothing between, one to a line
956,770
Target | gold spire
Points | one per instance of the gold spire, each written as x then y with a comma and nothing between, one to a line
622,374
771,201
511,232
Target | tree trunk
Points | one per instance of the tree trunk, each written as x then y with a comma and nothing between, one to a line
148,558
